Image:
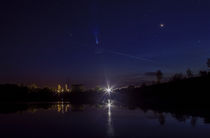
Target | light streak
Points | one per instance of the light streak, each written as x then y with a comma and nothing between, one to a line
130,56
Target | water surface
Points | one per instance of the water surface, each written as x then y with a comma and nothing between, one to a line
66,120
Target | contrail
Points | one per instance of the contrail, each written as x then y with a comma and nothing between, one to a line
131,56
138,58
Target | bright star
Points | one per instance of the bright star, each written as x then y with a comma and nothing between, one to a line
162,25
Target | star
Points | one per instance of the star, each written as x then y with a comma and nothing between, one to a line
162,25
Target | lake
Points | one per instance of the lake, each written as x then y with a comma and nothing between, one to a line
62,119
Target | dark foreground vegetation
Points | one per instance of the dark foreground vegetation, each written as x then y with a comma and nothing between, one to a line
188,91
15,93
186,96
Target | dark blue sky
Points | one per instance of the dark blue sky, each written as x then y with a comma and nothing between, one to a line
49,42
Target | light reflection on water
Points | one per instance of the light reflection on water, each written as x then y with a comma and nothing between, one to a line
62,108
110,129
66,107
108,120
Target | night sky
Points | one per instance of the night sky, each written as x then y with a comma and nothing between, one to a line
48,42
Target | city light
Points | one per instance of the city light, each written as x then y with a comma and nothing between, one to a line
108,90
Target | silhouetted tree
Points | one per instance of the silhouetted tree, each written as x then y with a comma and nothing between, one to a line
208,64
189,73
193,121
143,85
177,76
161,119
206,120
159,76
203,73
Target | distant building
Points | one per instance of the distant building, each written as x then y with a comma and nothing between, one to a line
59,89
66,88
77,88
